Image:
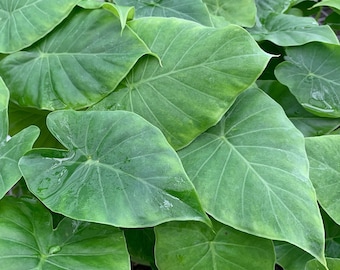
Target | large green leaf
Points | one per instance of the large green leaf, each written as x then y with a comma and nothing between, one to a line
324,154
240,12
285,29
308,123
11,150
202,72
191,245
76,65
192,10
24,22
311,73
251,172
119,170
28,240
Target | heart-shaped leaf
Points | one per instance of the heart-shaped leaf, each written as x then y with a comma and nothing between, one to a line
312,74
167,95
192,10
28,240
251,173
324,154
119,170
240,12
24,22
76,65
193,245
11,150
309,124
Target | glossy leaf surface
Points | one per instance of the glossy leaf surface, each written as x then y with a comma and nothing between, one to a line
285,29
167,95
28,240
76,65
11,150
332,264
192,10
309,124
241,12
251,172
312,74
24,22
111,173
324,154
193,245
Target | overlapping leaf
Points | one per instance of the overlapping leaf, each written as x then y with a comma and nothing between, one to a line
285,29
119,170
192,10
203,70
308,123
251,172
24,22
194,246
28,240
76,65
124,13
241,12
312,74
329,3
11,151
324,154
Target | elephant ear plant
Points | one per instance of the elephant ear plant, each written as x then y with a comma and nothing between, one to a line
196,134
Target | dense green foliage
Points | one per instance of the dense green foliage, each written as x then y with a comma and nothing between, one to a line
197,134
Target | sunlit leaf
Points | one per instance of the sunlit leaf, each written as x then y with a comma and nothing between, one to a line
11,150
251,173
240,12
192,245
324,154
76,65
192,10
28,240
312,74
24,22
203,70
118,170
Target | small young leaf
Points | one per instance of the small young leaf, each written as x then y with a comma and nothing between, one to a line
25,22
324,155
118,170
76,65
11,151
28,240
311,73
251,172
202,72
192,245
